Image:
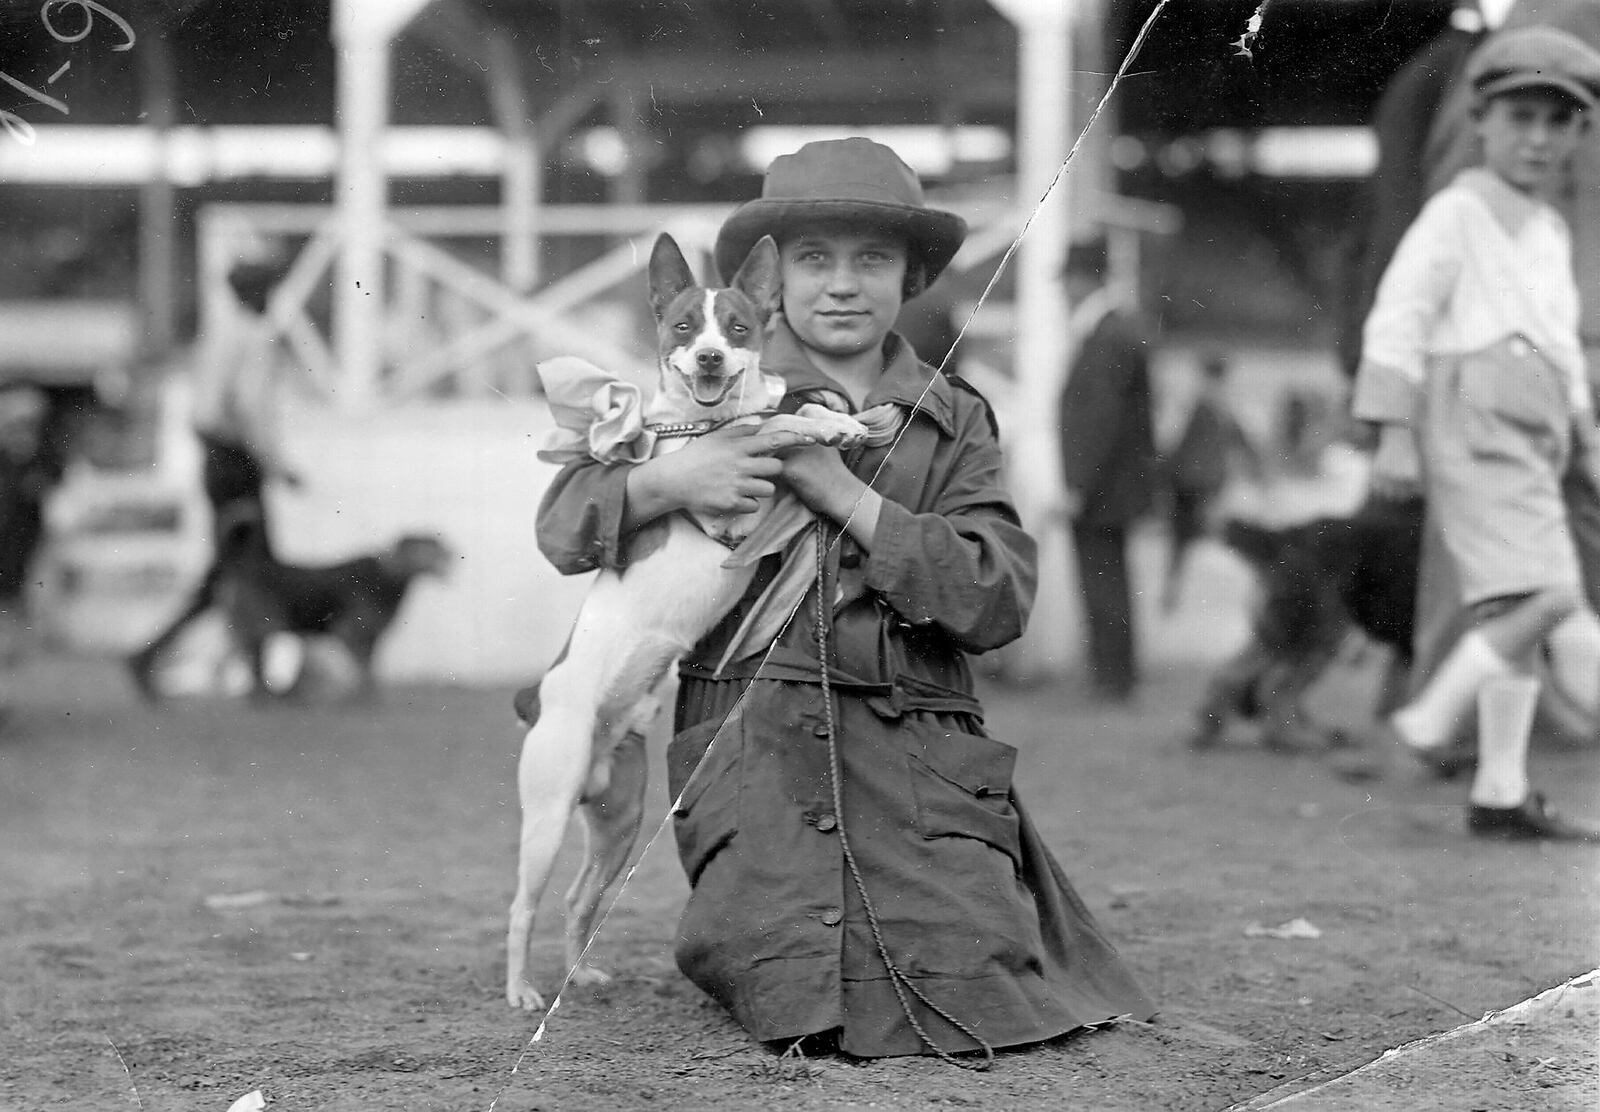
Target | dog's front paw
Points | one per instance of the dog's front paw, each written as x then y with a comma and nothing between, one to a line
524,996
836,430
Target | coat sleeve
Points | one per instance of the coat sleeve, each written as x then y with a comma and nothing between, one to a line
964,565
1109,385
579,524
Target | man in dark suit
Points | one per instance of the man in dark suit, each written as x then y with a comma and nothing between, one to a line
1108,460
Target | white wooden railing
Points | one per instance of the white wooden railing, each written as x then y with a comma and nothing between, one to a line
453,328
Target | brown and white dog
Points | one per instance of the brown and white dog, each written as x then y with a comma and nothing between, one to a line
585,749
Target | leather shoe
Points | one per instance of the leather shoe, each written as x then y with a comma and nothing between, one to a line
1528,822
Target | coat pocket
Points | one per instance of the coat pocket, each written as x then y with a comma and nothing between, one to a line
703,777
962,786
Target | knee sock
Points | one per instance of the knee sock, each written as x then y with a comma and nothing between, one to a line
1505,719
1574,648
1431,719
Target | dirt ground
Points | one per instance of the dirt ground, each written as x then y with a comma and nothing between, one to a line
364,858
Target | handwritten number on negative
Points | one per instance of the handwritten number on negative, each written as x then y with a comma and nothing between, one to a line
42,98
14,125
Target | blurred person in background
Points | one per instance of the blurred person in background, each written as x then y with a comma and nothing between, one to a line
238,421
1426,136
1574,662
928,323
1473,371
1109,462
1212,451
23,482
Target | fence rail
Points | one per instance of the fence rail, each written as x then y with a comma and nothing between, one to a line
452,328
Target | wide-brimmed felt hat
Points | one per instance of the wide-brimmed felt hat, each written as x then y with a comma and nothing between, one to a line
1537,57
847,181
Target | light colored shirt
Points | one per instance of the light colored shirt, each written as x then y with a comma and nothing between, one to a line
1482,263
235,390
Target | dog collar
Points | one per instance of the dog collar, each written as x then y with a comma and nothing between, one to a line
675,429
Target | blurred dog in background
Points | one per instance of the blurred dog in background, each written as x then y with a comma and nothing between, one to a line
354,602
1321,583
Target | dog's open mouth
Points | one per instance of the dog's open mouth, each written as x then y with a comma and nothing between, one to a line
710,390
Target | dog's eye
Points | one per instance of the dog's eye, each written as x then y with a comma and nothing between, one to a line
681,326
737,329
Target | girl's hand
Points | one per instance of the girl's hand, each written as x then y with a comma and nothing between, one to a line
724,472
1397,465
819,478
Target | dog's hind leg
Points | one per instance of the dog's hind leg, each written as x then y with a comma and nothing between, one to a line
611,825
552,775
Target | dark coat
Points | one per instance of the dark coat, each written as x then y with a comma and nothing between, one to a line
1108,451
971,905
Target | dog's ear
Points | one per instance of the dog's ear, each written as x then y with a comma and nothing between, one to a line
669,273
759,277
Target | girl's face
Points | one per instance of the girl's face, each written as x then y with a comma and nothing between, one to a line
842,288
1528,136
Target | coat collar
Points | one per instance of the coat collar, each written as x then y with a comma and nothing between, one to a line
906,380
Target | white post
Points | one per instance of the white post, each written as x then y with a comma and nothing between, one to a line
362,30
1044,136
520,184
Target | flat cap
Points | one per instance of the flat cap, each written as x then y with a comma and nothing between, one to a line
1537,57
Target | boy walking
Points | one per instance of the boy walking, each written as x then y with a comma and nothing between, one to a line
1472,368
1108,462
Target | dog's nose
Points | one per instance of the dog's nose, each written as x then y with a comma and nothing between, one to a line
709,360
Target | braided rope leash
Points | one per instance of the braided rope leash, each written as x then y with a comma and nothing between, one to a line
897,978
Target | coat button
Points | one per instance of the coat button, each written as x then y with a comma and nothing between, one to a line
820,729
832,917
826,823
